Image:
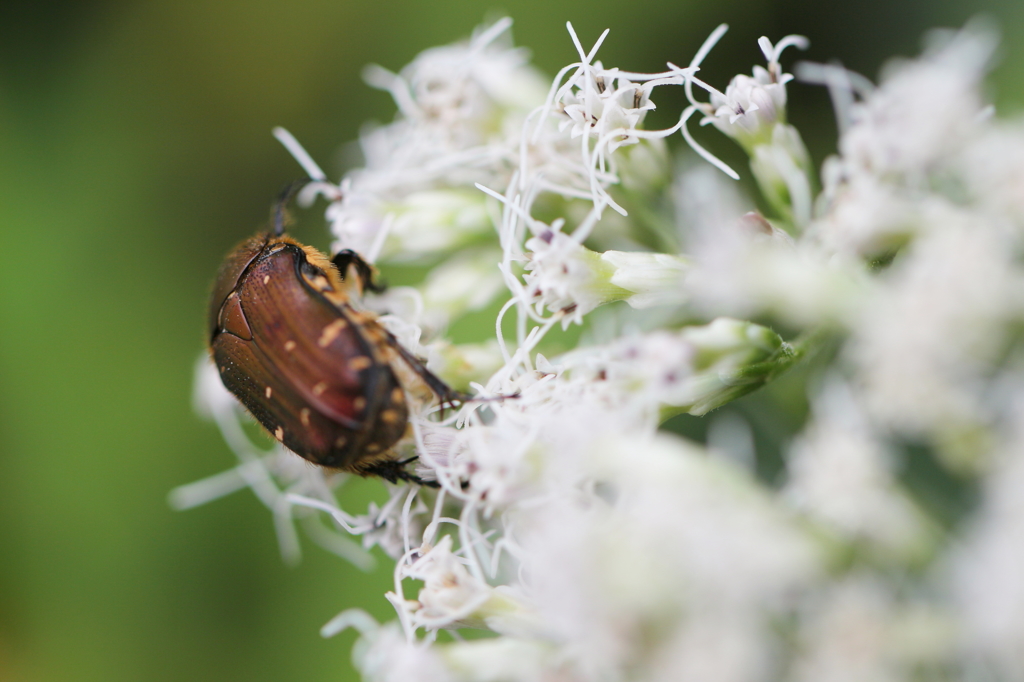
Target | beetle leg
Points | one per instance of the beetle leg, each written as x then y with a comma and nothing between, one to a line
443,391
393,471
347,258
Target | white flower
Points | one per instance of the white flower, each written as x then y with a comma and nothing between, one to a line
553,514
925,109
750,107
460,109
742,266
989,562
461,92
860,628
752,110
391,527
385,655
847,635
620,579
209,397
464,363
782,167
992,166
465,283
571,279
840,475
502,660
652,278
451,597
604,103
863,216
924,339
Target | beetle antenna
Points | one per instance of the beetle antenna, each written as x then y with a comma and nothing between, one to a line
280,212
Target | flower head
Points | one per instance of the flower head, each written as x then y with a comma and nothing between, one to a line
555,513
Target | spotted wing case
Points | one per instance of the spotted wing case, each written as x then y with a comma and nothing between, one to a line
302,364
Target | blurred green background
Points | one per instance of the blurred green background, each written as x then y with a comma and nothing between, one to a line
135,149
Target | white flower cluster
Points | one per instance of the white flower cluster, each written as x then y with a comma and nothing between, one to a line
593,546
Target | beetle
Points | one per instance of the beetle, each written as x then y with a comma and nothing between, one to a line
319,375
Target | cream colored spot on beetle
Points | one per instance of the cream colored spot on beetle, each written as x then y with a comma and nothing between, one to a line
397,396
279,433
372,448
331,332
359,403
289,346
304,416
340,442
269,392
360,362
389,416
319,388
266,278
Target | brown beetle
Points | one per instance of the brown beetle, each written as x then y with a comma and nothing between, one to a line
318,374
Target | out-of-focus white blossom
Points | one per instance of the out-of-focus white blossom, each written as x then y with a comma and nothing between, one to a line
460,108
895,153
744,266
993,169
858,630
988,565
464,283
386,655
623,582
927,339
465,363
892,135
841,476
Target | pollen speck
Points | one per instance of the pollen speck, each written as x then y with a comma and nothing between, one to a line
279,433
266,278
268,392
289,346
359,403
319,388
304,416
